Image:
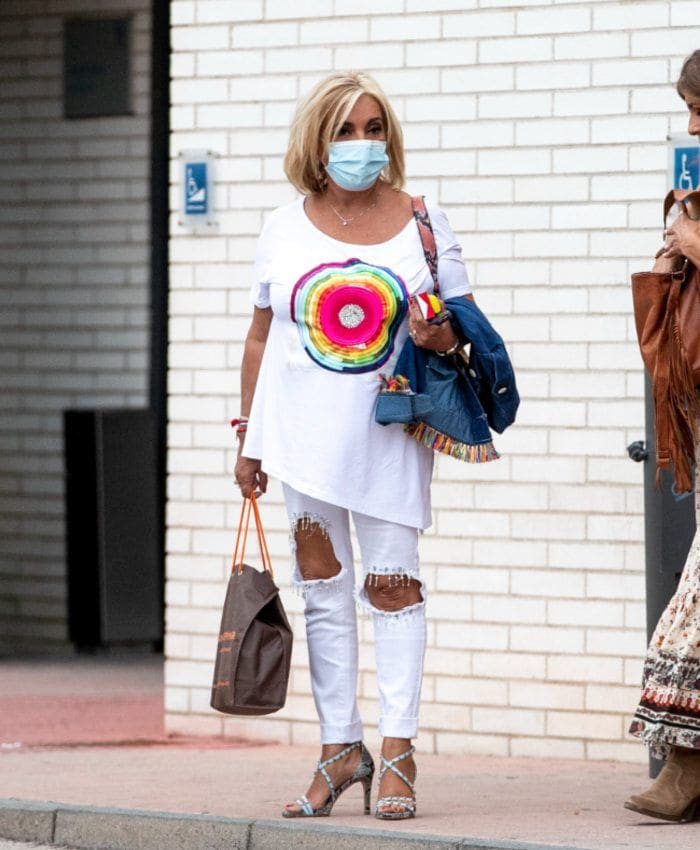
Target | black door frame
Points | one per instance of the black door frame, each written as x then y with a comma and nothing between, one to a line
159,231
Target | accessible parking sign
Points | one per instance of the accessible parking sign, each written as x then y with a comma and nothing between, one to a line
196,189
684,162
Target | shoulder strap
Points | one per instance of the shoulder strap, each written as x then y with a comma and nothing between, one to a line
427,237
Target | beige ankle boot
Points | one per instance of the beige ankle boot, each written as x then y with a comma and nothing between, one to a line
675,794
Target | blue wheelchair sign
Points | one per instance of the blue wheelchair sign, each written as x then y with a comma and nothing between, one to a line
196,189
686,168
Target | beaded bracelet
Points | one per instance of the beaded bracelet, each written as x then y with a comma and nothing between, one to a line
241,425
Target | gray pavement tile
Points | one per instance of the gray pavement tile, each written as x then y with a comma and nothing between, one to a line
120,829
270,835
24,820
489,844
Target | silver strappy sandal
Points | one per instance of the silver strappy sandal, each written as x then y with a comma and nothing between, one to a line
407,804
364,773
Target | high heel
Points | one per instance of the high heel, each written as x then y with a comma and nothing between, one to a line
364,772
675,794
406,804
367,785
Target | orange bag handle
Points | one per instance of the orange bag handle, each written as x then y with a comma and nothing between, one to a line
248,505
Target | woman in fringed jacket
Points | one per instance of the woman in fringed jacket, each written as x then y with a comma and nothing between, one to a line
668,716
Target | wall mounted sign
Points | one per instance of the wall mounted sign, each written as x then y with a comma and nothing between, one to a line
96,67
197,189
683,162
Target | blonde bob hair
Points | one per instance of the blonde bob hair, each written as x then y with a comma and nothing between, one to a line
318,119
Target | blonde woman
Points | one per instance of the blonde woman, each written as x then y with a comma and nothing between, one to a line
334,274
668,716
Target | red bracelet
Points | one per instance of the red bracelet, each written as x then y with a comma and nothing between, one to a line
241,425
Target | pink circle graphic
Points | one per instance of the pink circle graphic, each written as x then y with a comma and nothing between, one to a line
336,306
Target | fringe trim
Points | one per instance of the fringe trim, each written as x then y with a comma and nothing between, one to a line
395,384
435,440
660,738
684,411
397,576
676,399
309,521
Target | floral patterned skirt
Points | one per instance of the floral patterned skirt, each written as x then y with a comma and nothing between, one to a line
669,711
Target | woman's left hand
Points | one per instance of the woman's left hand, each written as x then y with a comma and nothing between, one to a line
433,337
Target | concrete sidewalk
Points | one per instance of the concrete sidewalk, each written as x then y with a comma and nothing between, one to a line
150,792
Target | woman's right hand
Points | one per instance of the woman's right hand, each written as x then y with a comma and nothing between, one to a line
668,258
250,477
682,238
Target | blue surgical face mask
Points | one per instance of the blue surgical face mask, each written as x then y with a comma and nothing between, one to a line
355,165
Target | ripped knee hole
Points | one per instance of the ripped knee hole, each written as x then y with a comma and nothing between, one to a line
314,550
393,592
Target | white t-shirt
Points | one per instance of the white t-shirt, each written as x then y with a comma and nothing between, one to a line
339,320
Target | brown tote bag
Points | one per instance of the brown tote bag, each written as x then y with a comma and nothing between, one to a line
667,316
254,654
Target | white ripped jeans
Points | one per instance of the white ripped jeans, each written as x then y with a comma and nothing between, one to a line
386,548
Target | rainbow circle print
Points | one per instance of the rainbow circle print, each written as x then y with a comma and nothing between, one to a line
348,314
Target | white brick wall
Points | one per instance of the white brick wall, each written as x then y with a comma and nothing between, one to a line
540,128
75,292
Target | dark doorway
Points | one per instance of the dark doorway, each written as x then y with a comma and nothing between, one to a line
116,458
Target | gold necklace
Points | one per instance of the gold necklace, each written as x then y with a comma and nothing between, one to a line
345,221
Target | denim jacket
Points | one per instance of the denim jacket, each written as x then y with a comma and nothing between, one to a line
451,405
